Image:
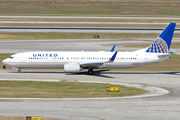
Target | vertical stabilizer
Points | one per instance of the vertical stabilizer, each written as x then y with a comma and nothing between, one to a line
163,42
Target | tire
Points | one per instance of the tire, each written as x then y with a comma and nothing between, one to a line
90,71
4,67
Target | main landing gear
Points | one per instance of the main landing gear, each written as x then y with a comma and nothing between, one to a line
90,71
19,70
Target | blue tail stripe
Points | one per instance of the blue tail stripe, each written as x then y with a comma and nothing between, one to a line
152,48
148,49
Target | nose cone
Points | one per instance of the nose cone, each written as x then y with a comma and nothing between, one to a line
5,61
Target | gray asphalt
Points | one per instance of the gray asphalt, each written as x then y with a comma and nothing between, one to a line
74,45
64,45
81,28
84,29
166,107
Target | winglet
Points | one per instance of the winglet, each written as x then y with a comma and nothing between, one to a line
112,49
113,57
163,42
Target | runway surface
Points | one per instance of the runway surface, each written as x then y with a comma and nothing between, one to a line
84,29
74,45
164,107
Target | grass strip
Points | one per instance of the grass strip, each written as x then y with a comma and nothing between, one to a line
21,89
56,36
12,118
108,7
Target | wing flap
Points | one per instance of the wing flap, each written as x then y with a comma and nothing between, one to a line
92,65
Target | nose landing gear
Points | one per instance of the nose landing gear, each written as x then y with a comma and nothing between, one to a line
4,67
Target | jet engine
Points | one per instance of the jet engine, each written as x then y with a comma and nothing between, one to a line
72,68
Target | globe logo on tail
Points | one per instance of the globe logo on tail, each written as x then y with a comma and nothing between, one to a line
158,46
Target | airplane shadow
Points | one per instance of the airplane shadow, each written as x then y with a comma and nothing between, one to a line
95,73
103,73
142,72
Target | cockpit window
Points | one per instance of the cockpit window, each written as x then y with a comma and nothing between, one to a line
11,57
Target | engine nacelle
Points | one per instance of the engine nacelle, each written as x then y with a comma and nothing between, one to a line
72,68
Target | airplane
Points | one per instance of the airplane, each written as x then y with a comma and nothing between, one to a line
74,62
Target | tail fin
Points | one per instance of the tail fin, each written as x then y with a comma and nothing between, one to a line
163,42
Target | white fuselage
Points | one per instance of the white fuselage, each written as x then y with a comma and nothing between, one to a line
59,59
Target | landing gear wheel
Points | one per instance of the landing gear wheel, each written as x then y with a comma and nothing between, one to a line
90,71
4,67
19,71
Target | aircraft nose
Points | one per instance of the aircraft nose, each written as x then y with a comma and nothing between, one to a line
5,61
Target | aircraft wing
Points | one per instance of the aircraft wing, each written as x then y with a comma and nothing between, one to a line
93,65
96,65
